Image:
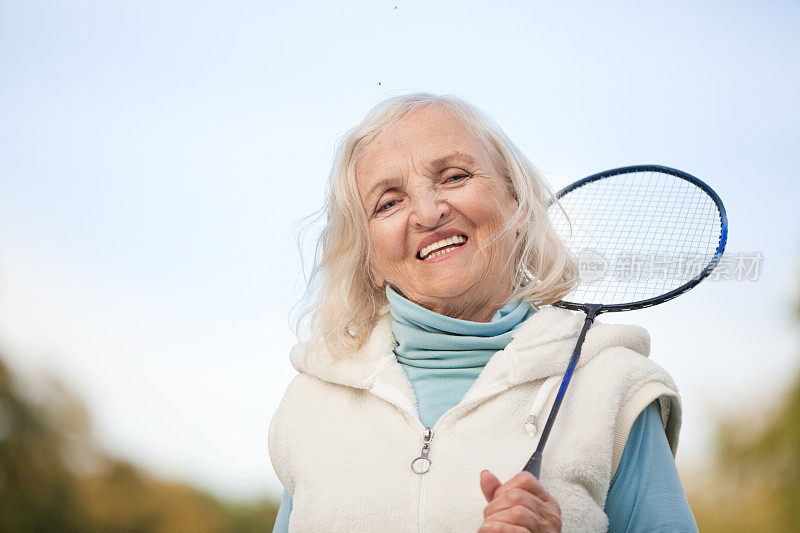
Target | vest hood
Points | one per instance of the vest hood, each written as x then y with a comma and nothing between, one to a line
540,348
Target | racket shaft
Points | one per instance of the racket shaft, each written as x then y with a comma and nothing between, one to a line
534,464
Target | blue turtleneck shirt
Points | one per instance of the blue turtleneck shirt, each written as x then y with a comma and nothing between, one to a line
443,356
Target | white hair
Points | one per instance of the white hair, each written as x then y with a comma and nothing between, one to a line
342,300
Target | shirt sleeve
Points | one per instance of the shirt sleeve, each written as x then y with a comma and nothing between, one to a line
282,520
646,493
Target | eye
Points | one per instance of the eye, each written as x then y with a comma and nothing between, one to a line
455,178
386,206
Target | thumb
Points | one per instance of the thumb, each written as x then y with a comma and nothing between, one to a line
489,484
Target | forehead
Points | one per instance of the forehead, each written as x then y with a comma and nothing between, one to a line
420,138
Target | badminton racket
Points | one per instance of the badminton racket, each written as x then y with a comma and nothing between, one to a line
642,235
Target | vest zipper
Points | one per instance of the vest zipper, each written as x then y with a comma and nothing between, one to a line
420,466
422,493
423,462
427,435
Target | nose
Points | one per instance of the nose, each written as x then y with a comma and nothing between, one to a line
428,209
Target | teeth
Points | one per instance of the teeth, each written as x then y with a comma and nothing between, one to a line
455,239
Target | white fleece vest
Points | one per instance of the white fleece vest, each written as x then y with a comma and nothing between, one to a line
345,435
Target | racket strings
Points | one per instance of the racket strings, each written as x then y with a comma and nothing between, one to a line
637,235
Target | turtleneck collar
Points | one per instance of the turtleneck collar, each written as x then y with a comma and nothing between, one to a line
426,339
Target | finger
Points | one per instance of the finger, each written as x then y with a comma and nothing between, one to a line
545,519
489,484
515,516
528,482
500,527
511,498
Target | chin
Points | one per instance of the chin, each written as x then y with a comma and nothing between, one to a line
449,289
455,282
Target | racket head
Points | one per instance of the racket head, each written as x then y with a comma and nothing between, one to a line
651,211
661,209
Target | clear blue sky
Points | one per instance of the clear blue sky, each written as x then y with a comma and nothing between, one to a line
155,156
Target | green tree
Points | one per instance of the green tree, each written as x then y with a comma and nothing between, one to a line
52,478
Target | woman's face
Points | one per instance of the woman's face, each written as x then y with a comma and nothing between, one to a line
435,205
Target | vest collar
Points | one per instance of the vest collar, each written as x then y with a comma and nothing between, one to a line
540,348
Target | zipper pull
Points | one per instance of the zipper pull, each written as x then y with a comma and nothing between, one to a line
422,464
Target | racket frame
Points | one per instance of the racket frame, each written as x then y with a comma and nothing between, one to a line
592,310
641,304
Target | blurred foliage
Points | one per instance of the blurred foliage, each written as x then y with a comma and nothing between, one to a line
52,478
754,483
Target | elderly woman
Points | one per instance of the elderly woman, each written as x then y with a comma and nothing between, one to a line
433,352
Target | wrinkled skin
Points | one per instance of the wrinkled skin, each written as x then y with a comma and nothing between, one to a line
519,505
427,174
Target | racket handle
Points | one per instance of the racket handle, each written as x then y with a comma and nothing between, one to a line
534,465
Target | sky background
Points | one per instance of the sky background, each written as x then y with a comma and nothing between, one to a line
156,157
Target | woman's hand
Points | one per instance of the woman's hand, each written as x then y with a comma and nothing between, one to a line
521,504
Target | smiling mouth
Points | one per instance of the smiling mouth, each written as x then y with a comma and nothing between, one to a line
441,247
